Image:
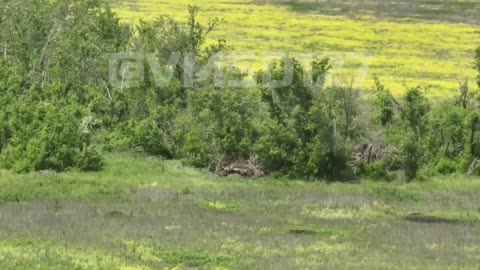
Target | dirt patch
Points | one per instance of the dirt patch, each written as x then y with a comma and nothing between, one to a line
302,232
421,218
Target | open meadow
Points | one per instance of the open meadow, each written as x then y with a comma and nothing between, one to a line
143,213
406,43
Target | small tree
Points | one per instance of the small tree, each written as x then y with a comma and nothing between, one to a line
167,37
384,103
477,64
415,108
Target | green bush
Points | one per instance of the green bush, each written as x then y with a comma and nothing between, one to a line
412,154
146,134
446,166
89,160
384,103
45,137
276,146
477,64
217,126
377,171
309,130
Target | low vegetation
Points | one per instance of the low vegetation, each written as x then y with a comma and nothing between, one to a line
149,213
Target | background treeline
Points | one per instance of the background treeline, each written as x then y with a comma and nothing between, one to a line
59,111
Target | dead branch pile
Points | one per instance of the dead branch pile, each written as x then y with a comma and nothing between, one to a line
363,155
249,168
474,167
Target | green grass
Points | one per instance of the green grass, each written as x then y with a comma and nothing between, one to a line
409,45
143,213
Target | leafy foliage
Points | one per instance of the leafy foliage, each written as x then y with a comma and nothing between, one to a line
52,71
56,94
43,136
308,132
477,64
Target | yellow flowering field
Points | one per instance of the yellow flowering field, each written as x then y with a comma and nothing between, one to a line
401,52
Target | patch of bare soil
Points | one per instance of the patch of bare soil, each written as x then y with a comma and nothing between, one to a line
421,218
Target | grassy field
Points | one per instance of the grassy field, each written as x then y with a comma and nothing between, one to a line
142,213
410,43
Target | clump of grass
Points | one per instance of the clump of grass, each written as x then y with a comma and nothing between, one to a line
148,253
130,267
115,214
222,206
445,217
398,195
362,212
313,231
422,218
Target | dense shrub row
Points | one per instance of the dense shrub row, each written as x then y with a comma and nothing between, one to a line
52,70
59,109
